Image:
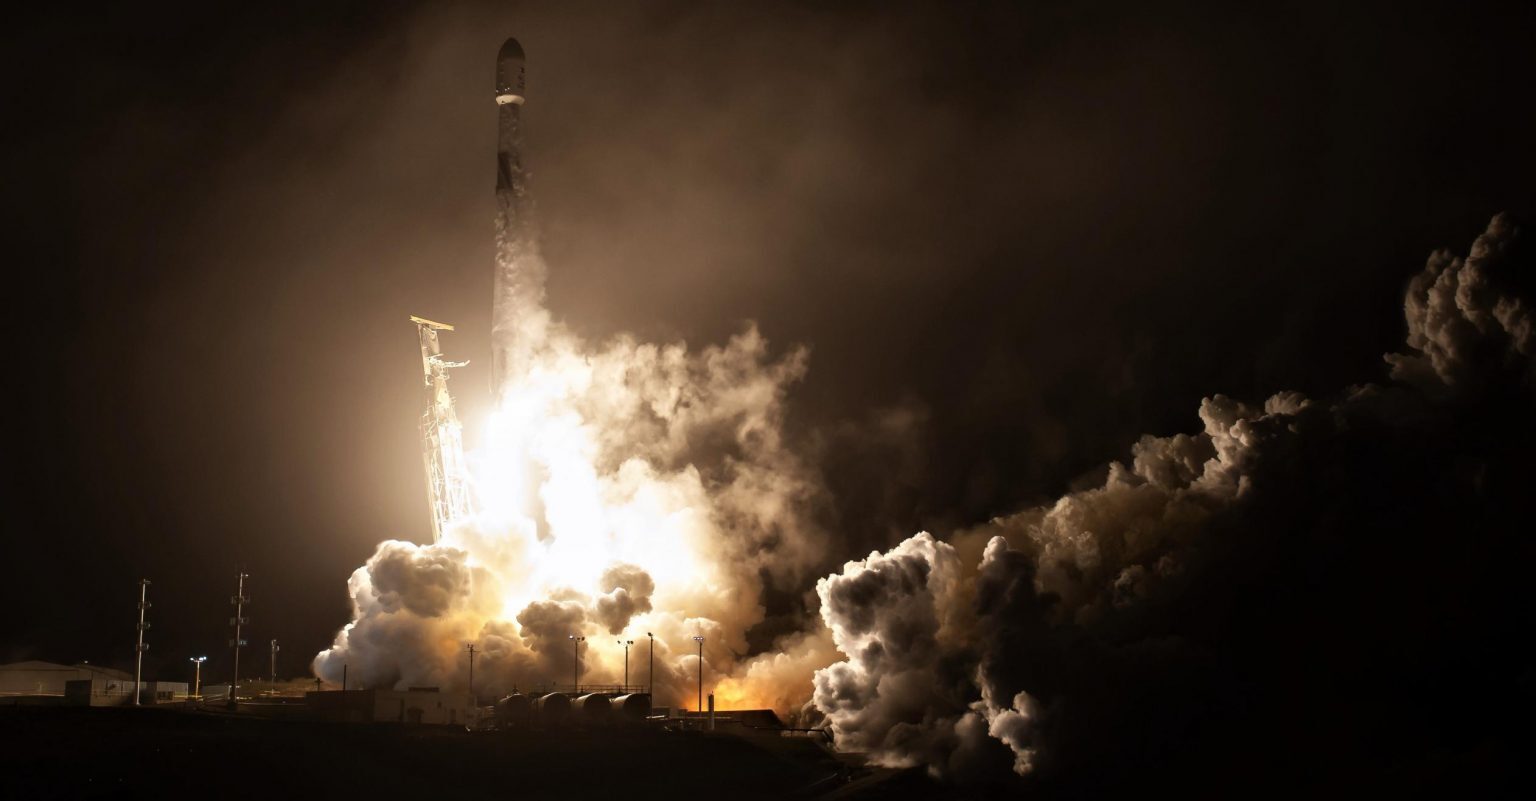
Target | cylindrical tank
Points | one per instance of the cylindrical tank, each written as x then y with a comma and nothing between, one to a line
514,712
590,709
632,708
552,710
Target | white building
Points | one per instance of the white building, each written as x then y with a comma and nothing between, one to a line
36,678
114,692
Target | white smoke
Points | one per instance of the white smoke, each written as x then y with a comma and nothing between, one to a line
638,488
625,489
895,617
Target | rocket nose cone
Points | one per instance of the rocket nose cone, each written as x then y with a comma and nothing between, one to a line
509,69
510,49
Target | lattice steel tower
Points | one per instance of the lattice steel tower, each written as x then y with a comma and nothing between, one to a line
442,438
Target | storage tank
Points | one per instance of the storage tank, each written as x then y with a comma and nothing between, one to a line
514,712
632,708
590,710
552,710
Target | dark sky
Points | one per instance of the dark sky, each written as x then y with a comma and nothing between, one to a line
1045,227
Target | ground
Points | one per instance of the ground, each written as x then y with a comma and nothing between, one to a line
62,752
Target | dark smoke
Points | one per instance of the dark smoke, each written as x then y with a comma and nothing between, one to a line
1302,593
627,590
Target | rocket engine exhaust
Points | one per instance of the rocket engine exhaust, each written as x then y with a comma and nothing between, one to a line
626,485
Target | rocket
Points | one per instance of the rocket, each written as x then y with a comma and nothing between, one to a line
519,279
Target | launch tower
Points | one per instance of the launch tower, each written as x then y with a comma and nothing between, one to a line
442,438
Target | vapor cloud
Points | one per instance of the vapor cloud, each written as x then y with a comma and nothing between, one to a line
1464,314
1224,578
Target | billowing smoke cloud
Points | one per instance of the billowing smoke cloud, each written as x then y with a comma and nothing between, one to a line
623,490
630,489
627,592
1225,586
902,691
1465,315
424,583
1253,590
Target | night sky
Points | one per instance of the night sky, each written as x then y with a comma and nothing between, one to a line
1032,231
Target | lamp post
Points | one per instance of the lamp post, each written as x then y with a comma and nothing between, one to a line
626,644
700,641
576,663
471,670
197,674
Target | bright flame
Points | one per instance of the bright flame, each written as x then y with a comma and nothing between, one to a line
621,490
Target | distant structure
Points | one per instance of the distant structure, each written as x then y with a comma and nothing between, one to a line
442,438
238,600
36,683
138,656
47,678
416,705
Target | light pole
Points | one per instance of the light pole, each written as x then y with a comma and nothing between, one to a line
626,644
576,663
471,671
700,641
197,674
138,658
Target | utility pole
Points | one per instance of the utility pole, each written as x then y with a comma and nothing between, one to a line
239,600
576,664
471,671
626,644
138,657
272,670
700,641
